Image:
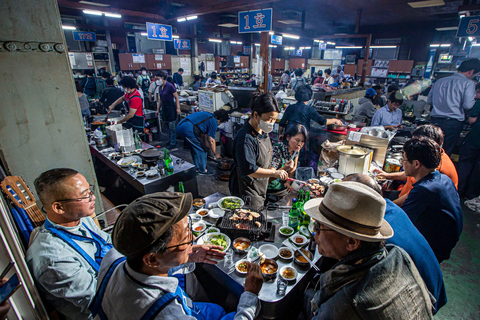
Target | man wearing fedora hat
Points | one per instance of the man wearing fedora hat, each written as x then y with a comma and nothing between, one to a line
153,237
370,281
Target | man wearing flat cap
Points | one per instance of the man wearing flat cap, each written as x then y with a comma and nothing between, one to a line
370,280
152,237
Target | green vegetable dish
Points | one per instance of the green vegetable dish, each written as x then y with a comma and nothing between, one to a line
230,203
211,230
218,240
285,230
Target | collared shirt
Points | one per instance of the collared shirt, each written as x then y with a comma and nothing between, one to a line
434,207
62,274
411,240
451,96
385,117
301,114
129,294
340,75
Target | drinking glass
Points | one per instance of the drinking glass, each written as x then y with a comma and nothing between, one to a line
285,218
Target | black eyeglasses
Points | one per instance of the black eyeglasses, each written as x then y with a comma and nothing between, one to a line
89,197
317,227
190,236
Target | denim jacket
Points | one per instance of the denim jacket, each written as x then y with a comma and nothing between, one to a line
382,285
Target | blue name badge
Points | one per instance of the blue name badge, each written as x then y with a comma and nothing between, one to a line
84,36
255,20
182,44
157,31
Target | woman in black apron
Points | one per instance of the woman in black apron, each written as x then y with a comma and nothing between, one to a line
253,152
134,119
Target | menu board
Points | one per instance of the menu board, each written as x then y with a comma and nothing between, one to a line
185,64
138,58
332,54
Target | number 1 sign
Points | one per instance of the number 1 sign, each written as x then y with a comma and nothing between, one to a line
255,21
159,32
469,27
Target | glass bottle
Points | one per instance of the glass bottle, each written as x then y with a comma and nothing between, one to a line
293,216
168,162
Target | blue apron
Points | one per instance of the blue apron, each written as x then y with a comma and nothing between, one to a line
102,246
199,310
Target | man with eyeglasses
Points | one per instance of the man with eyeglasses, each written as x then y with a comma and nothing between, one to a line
153,238
64,257
389,116
370,280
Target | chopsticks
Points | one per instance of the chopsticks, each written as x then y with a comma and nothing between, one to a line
295,180
309,261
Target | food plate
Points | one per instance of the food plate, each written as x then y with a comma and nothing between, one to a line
199,227
286,231
128,161
241,267
216,238
151,173
195,217
212,230
288,273
202,212
298,240
269,250
140,174
241,245
285,253
216,213
230,203
310,226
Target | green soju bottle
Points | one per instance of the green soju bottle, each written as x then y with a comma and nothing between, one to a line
168,162
294,216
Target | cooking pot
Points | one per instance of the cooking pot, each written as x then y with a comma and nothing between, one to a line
353,159
151,155
225,164
337,127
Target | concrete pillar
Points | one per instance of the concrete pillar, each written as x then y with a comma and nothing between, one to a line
41,125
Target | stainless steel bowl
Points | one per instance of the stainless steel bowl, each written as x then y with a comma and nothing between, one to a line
269,276
298,254
241,251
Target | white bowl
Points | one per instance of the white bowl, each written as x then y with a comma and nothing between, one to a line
199,224
216,213
201,210
240,273
219,202
213,230
195,218
282,269
304,242
205,239
285,248
269,250
286,234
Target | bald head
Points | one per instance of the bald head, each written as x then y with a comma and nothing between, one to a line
364,179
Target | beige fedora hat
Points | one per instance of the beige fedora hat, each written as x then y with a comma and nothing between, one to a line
352,209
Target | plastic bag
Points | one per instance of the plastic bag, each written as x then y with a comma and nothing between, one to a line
329,154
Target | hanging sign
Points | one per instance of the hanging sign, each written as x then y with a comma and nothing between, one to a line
322,46
84,36
459,51
276,39
297,52
255,20
157,31
469,27
431,58
182,44
138,58
247,49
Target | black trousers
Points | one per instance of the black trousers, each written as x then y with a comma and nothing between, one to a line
451,132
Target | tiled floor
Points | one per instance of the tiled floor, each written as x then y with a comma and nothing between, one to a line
461,272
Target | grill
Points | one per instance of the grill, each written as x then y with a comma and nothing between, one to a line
247,229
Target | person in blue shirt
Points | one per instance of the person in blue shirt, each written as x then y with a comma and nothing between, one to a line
177,77
301,113
433,205
411,240
389,116
198,131
65,255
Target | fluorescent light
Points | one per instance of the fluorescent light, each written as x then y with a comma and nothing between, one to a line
289,48
181,19
95,4
434,45
471,39
113,15
446,28
321,41
257,44
445,45
192,17
332,43
215,40
272,46
348,47
305,48
228,25
271,32
475,44
462,16
94,12
68,28
426,4
291,36
383,47
144,34
235,42
177,37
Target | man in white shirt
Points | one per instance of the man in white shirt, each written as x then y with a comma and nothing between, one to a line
338,75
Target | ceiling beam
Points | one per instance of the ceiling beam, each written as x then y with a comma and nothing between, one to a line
220,7
130,13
